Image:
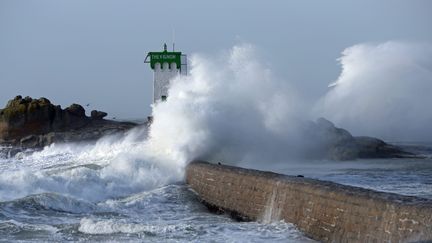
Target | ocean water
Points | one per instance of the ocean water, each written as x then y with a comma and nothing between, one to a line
106,192
411,177
99,192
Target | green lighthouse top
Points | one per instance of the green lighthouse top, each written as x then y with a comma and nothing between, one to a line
164,57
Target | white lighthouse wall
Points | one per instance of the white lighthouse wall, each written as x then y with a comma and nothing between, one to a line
183,65
161,79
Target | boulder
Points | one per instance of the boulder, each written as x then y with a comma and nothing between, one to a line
22,117
76,110
98,115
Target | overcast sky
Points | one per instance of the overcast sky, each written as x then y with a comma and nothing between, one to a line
92,51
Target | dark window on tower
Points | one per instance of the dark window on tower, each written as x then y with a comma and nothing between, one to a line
163,98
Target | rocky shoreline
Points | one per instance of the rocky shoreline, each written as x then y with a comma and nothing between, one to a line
27,123
35,123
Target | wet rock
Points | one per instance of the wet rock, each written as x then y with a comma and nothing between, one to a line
30,141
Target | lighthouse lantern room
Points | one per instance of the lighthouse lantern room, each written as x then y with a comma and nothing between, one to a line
166,66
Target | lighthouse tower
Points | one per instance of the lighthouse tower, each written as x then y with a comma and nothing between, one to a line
166,65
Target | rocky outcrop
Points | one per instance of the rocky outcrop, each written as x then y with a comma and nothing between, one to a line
325,140
369,147
98,115
31,123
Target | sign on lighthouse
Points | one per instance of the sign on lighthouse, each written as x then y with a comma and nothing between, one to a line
166,66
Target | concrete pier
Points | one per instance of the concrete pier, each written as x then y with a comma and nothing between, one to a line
324,211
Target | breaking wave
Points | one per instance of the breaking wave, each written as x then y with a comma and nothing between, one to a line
384,90
232,108
234,112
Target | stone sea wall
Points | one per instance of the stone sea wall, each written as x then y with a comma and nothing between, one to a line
324,211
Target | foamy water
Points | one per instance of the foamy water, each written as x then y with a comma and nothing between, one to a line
72,192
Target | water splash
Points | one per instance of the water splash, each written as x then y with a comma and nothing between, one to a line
383,90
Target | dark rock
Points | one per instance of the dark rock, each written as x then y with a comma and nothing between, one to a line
27,99
30,141
44,101
32,123
370,147
76,110
325,140
22,117
98,115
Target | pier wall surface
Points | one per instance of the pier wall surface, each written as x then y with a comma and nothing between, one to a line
324,211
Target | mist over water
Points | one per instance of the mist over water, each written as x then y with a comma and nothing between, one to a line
384,90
